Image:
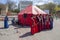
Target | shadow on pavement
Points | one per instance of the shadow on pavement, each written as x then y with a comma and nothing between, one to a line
25,35
10,24
19,26
3,28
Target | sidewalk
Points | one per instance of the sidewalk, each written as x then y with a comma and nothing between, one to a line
8,34
24,33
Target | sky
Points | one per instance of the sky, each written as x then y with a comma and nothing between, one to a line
35,2
3,1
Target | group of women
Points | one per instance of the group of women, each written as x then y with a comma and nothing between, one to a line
41,22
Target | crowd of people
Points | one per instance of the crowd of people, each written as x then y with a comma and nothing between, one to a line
41,22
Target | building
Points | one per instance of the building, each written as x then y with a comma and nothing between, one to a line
3,9
23,4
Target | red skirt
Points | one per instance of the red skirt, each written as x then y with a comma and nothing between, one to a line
40,27
47,25
34,29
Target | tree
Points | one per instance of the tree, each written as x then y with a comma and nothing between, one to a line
16,10
50,7
59,5
11,5
41,6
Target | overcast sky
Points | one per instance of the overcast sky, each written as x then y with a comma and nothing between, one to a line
38,2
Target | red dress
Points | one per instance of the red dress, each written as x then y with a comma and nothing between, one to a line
35,25
40,25
34,28
47,24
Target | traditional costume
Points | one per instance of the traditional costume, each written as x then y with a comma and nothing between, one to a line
51,21
40,27
6,22
34,28
47,23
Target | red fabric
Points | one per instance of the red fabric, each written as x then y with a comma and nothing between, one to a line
40,26
21,19
28,20
34,27
47,25
25,21
30,10
32,30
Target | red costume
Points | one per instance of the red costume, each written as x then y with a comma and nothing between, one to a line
34,28
40,25
35,25
47,24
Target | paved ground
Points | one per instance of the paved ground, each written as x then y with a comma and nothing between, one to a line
44,35
15,33
8,34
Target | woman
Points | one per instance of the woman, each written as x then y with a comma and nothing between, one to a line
51,21
44,21
47,23
40,23
34,28
6,22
